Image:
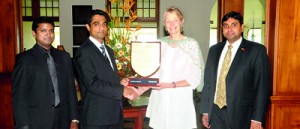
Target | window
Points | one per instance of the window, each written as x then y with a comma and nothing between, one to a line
148,18
147,10
35,8
254,35
213,37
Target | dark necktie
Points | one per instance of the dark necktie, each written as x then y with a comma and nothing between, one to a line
103,51
53,74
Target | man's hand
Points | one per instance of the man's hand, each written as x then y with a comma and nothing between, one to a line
205,121
132,93
124,81
127,91
255,125
135,94
74,125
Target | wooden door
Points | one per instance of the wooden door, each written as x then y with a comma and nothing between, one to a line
9,37
283,41
225,6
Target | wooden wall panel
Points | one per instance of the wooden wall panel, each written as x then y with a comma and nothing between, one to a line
232,5
286,116
225,6
8,35
287,63
270,29
9,24
6,117
283,41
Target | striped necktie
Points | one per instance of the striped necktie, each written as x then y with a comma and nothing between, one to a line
103,51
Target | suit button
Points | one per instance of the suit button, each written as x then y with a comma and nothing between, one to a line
52,91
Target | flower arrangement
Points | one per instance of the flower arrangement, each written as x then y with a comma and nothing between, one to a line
121,34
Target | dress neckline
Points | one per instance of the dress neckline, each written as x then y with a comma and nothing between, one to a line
170,41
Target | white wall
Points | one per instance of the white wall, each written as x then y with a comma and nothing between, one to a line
65,19
197,19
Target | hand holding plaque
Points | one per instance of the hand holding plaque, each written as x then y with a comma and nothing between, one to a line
145,61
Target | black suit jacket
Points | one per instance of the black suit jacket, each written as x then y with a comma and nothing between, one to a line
32,90
247,83
99,84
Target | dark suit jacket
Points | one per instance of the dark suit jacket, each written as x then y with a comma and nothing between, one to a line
32,90
247,83
99,84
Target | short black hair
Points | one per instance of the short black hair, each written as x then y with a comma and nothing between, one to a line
234,15
37,21
97,12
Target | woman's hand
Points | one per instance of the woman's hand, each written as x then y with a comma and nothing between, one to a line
160,86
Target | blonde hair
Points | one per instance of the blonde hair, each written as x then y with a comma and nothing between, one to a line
174,9
177,11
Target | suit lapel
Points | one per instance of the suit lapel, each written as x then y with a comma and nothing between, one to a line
94,48
239,54
42,65
41,57
99,54
111,56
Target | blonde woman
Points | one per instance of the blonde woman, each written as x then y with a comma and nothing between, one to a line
171,102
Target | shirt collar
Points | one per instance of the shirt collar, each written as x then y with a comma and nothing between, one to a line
235,44
96,42
43,50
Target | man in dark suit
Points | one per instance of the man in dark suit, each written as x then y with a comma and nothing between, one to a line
43,91
97,74
236,80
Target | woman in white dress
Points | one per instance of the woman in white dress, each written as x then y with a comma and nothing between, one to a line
171,102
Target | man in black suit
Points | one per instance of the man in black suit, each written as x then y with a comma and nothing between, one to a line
236,80
43,91
97,74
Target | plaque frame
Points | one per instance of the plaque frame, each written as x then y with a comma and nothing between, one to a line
144,80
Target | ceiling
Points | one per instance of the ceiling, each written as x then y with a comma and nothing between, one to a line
254,14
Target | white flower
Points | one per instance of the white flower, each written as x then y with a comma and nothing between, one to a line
118,45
